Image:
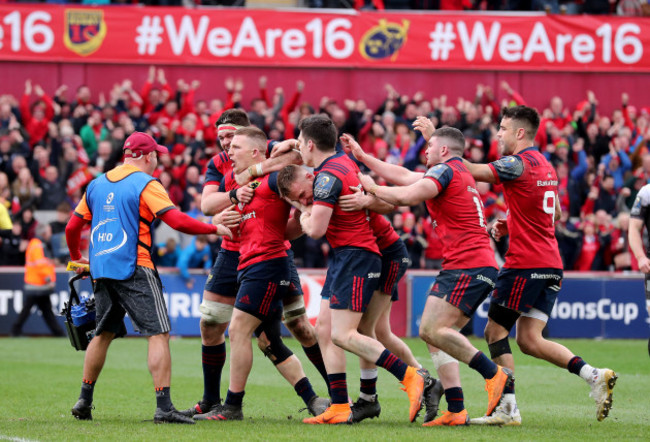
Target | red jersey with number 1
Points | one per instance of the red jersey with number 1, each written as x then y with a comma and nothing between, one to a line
530,188
458,217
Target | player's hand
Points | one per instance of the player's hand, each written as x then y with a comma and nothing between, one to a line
644,264
425,126
357,200
297,205
224,231
245,194
349,143
366,181
284,147
499,229
228,217
243,178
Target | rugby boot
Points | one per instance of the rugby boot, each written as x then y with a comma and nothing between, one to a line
432,395
201,407
363,409
602,386
449,419
335,414
82,410
172,416
506,414
224,412
414,382
317,405
494,387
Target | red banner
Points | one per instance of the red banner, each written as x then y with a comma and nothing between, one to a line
386,40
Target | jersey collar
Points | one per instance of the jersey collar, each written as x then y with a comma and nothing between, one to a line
336,155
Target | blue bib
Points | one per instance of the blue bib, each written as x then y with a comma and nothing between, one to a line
115,227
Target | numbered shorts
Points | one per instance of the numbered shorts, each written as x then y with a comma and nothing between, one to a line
394,262
140,296
262,286
525,289
465,289
222,279
354,278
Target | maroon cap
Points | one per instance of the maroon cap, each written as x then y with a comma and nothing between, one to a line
142,143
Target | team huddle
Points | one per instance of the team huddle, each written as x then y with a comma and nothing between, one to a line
253,287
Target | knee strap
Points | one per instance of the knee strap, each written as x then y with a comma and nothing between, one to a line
499,348
294,310
213,312
276,351
505,317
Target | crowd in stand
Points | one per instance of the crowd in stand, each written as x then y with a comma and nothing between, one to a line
52,145
619,7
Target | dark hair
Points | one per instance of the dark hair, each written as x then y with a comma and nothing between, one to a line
524,117
286,178
454,139
234,116
255,134
320,130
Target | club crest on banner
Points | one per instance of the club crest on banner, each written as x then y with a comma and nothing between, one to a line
384,40
84,30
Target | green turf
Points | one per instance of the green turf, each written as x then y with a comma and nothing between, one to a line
40,380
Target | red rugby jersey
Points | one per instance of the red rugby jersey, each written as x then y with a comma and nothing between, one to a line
263,225
530,188
458,217
346,229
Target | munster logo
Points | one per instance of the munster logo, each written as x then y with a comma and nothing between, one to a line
384,40
84,30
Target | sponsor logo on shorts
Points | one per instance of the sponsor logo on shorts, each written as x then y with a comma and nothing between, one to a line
285,283
373,275
485,279
545,276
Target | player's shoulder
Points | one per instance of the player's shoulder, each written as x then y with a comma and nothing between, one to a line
436,172
219,160
644,195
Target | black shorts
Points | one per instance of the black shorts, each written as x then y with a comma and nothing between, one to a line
222,279
295,289
394,262
262,287
140,296
354,278
524,289
465,289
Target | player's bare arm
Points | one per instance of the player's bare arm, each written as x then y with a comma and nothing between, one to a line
558,209
294,229
314,222
213,201
286,154
392,173
359,200
410,195
480,172
635,237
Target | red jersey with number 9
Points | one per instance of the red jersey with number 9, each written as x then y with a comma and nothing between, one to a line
530,188
459,220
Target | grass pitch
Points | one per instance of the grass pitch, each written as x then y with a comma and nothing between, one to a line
40,380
